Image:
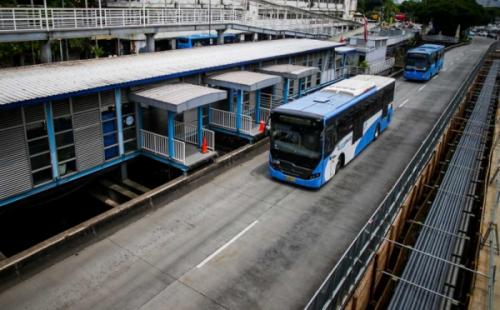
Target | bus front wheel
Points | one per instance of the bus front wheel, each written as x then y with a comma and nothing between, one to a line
377,132
340,164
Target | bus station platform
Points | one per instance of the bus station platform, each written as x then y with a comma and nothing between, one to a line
61,122
242,240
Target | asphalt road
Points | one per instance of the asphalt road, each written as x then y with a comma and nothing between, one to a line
244,241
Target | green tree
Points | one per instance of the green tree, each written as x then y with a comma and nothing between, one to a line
446,15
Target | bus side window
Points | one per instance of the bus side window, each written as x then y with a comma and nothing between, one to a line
384,100
359,121
345,125
330,139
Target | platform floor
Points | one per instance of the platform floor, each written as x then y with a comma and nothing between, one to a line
194,156
244,241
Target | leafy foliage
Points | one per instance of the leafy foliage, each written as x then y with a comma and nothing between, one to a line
446,15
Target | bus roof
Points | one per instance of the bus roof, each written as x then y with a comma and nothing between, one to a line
336,98
432,46
426,49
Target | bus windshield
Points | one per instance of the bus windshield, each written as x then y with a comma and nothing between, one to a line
416,62
294,137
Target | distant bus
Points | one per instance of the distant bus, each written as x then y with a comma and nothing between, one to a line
423,62
202,40
312,138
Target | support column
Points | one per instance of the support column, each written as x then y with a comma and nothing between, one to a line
46,53
52,140
242,38
220,37
257,106
173,44
138,124
171,120
231,97
239,108
119,120
150,42
286,90
200,126
299,91
255,37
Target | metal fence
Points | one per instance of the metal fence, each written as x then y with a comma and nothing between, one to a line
338,286
158,144
154,143
25,19
223,118
20,19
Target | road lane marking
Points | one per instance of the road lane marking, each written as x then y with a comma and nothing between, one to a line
206,260
435,77
444,69
421,88
404,102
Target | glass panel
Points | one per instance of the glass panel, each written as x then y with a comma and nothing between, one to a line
40,161
64,138
130,146
110,139
62,123
42,176
129,133
36,130
128,108
66,153
39,145
110,153
67,167
108,126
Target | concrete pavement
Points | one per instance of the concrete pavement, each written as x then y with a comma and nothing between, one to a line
244,241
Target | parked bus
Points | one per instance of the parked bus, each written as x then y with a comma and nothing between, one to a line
423,62
202,40
312,138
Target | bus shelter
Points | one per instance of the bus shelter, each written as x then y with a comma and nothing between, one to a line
289,73
184,144
242,114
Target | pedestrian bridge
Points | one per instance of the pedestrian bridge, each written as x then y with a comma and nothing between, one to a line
27,24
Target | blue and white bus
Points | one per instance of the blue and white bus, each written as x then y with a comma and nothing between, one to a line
423,62
312,138
202,39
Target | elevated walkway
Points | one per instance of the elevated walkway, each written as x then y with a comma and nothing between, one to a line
22,24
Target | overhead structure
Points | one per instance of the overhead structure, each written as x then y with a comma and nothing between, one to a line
245,122
290,72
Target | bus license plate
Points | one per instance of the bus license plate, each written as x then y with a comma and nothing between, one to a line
291,179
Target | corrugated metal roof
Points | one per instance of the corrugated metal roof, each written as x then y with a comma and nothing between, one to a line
244,80
51,80
178,97
290,71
